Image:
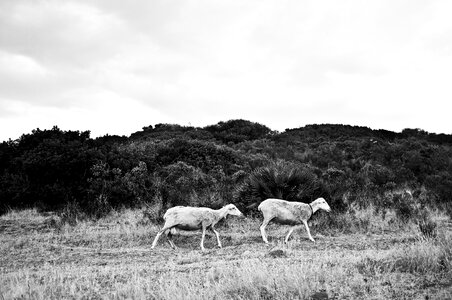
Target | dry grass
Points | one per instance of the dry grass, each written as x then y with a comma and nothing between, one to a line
111,259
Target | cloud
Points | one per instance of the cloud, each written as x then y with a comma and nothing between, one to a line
285,64
59,33
17,65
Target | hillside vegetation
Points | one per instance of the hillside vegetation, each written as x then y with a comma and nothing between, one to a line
78,215
235,161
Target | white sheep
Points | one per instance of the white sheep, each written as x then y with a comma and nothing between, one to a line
289,213
194,218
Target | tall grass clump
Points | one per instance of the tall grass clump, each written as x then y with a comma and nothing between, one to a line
427,226
22,214
71,214
405,206
426,256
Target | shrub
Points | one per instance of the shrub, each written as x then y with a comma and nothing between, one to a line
236,131
338,187
106,190
405,206
280,179
153,212
71,214
427,226
180,181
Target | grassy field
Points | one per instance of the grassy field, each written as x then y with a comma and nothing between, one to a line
42,258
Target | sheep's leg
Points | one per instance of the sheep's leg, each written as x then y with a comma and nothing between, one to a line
307,230
169,238
217,235
263,233
202,238
161,231
154,243
290,233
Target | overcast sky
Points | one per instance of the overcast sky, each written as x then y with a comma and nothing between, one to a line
114,66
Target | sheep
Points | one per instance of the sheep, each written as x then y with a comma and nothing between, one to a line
194,218
290,213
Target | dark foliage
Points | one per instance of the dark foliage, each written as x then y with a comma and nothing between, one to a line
171,131
236,160
46,168
237,131
204,155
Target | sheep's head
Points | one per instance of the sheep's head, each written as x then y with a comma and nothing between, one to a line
233,210
322,204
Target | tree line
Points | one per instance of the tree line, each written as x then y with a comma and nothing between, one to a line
234,161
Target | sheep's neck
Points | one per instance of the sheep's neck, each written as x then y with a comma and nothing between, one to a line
314,207
222,212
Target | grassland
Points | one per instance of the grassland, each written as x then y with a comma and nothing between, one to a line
369,258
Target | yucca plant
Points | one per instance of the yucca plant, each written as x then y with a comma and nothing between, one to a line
280,179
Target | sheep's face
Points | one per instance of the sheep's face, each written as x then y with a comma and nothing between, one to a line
322,204
233,210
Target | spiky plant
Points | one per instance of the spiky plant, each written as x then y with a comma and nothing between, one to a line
280,179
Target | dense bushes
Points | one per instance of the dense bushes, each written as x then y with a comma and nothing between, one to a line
236,161
237,131
45,168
